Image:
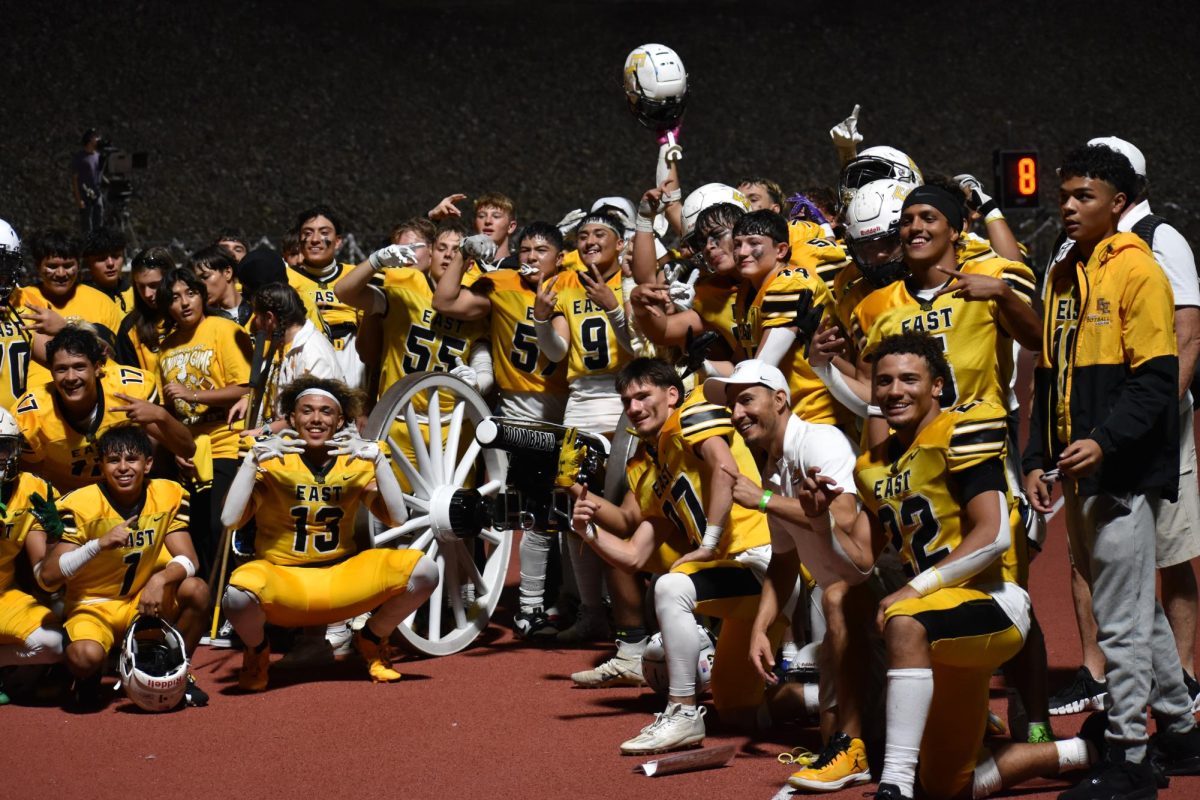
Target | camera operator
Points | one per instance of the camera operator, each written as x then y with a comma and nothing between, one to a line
85,182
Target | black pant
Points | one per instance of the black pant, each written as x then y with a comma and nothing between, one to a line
206,514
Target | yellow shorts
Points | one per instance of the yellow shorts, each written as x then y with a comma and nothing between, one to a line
298,596
969,636
730,590
106,621
20,615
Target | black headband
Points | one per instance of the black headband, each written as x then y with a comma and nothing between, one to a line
942,199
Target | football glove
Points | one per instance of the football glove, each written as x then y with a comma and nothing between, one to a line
274,445
570,459
347,442
466,373
808,318
979,200
46,514
479,247
696,349
683,293
394,255
570,221
845,134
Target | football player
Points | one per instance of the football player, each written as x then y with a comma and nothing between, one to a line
61,421
304,489
103,255
15,339
124,551
59,299
789,452
531,387
316,280
936,487
29,632
695,453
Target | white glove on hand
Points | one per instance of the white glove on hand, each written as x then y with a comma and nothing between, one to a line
347,442
394,255
683,293
673,271
979,197
479,247
571,221
845,134
466,373
275,445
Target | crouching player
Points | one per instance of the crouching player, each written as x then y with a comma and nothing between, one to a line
694,450
936,487
124,551
303,487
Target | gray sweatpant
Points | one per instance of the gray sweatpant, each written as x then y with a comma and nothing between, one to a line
1112,546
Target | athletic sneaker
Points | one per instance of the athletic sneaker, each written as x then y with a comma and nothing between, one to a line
1193,687
535,625
193,695
890,791
1115,778
842,763
1176,753
255,663
623,669
378,656
677,728
591,625
1085,693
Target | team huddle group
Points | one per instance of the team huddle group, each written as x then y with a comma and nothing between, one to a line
822,389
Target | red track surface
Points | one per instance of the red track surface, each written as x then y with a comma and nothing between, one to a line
499,720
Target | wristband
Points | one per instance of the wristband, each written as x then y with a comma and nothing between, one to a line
712,537
766,498
874,411
643,225
673,196
986,209
589,532
927,582
995,215
186,563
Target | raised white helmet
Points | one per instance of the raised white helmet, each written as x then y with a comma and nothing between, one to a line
877,163
655,86
654,662
10,446
154,664
873,229
709,195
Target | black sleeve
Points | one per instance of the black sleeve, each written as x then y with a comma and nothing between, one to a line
986,476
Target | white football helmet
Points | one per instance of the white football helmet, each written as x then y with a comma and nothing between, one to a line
10,259
873,230
655,86
10,446
709,195
154,664
876,163
654,662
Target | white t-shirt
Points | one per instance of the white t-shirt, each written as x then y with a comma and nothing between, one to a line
807,445
309,353
1172,253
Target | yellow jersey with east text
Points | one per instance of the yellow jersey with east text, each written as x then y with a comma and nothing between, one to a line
518,363
16,518
593,348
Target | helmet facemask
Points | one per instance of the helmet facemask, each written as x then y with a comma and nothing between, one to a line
879,258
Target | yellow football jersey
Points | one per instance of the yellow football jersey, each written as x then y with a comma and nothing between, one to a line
120,573
305,516
715,299
679,481
14,357
817,254
849,289
774,305
16,518
971,332
418,339
318,293
62,453
214,355
87,304
518,364
916,494
593,348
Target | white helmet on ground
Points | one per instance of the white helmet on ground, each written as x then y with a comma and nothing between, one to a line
654,662
709,195
655,86
154,664
10,446
873,230
877,163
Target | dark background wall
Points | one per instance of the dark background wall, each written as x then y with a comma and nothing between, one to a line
252,110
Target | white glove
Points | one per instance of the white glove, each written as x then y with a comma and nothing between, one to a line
347,442
674,271
979,198
683,294
571,221
479,247
845,134
394,255
275,445
466,373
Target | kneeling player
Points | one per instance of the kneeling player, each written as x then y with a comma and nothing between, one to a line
125,550
936,487
304,492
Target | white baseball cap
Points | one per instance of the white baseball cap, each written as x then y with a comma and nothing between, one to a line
1124,148
619,203
752,372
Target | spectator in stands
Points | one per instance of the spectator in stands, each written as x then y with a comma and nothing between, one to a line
142,329
104,262
233,240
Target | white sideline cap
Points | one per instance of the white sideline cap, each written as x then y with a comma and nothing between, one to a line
752,372
1124,148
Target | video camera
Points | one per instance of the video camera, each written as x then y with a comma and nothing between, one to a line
531,499
116,171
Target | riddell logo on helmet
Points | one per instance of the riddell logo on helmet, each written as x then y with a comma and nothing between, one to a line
869,231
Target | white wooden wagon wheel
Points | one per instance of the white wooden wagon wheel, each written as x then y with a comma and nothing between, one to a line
471,570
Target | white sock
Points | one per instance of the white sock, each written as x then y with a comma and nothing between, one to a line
535,556
909,694
1074,754
987,778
